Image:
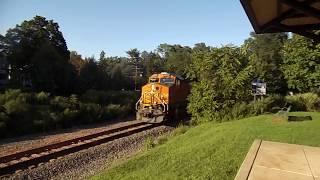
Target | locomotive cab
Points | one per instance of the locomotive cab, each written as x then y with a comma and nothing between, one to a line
159,97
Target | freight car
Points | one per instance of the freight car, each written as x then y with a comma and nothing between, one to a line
163,97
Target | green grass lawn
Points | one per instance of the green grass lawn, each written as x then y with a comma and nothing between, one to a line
213,151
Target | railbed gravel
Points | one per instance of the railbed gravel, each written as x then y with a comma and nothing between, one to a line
88,162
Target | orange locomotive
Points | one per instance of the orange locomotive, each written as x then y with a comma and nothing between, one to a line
163,97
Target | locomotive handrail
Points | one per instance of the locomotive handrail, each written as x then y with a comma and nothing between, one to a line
138,102
163,104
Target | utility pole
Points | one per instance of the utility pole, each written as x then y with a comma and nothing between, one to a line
135,75
134,54
136,72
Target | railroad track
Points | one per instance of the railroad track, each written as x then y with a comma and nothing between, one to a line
31,158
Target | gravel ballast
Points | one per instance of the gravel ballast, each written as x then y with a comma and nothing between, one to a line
85,163
18,144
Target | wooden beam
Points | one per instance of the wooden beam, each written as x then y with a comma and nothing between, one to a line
276,21
306,27
305,33
303,7
252,18
288,14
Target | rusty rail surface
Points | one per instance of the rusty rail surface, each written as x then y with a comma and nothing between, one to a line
24,159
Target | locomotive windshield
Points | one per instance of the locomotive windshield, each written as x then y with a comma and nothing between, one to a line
167,80
153,80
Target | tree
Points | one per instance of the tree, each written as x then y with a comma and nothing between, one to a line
134,54
152,63
263,51
222,78
77,61
176,57
102,56
90,75
201,47
26,48
3,46
118,79
301,65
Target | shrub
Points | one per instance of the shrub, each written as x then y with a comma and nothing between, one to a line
68,116
110,97
115,111
74,101
243,109
89,112
22,112
42,98
9,95
304,102
112,111
95,96
16,105
239,110
60,103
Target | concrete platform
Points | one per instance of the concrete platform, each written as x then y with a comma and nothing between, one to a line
268,160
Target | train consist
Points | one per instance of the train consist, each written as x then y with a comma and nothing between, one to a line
163,97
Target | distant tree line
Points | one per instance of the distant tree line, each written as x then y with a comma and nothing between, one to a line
40,61
221,76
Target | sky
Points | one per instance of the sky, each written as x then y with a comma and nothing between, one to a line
116,26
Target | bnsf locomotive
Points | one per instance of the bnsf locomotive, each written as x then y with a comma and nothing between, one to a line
163,97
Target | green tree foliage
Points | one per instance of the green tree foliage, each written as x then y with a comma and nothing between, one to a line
176,57
134,54
50,72
263,51
77,61
102,56
3,46
35,46
39,57
301,65
152,63
222,78
91,76
119,72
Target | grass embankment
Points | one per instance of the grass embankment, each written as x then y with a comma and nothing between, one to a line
213,151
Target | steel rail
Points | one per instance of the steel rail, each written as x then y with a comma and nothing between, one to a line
22,160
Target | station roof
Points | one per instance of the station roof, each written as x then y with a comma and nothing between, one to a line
297,16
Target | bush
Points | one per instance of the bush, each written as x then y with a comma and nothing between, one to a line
240,110
110,97
59,103
89,112
95,96
9,95
68,117
22,113
304,102
271,104
42,98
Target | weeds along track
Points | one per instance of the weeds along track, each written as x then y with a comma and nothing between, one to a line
31,158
